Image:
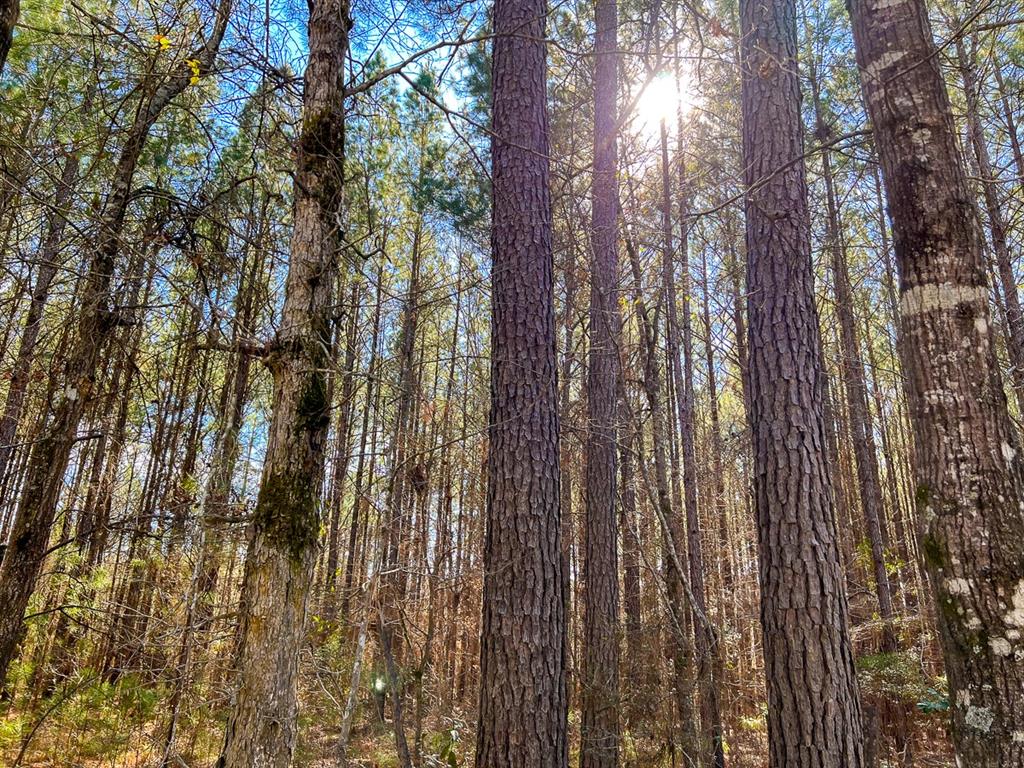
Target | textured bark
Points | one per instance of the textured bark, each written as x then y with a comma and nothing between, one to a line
523,705
261,729
599,745
8,18
968,466
93,328
814,714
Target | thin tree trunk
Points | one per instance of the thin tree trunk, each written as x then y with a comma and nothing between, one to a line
599,745
715,652
9,10
680,643
710,741
48,265
343,439
996,224
369,407
1011,123
353,691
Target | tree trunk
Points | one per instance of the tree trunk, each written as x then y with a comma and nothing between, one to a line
969,469
599,745
262,727
814,715
1010,122
710,744
636,669
8,18
715,652
523,706
343,444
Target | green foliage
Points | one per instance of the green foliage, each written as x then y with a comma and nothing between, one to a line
445,745
897,676
102,718
754,723
935,702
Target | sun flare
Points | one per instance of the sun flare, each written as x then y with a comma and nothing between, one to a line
662,100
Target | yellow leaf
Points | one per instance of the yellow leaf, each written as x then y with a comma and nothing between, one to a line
193,64
162,41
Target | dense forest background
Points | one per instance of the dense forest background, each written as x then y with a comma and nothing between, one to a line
155,161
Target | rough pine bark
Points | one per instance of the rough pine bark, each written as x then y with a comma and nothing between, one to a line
814,714
968,465
599,745
261,729
523,705
8,19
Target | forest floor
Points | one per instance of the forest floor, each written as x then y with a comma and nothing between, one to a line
127,730
88,723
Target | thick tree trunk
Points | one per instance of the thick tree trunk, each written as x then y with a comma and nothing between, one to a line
523,705
969,468
261,729
814,715
599,746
